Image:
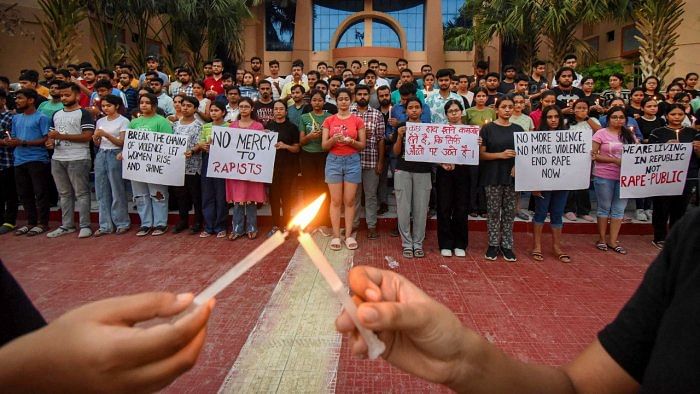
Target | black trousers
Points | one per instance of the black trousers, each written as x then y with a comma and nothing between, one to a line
17,313
188,195
452,207
477,196
33,181
579,202
8,196
282,195
667,211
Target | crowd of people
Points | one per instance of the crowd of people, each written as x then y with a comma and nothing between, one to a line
340,130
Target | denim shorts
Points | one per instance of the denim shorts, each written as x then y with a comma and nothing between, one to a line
343,168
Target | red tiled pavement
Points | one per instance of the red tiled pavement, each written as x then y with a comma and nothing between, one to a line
541,312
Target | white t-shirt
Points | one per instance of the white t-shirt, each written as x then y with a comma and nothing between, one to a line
584,126
113,128
71,122
281,81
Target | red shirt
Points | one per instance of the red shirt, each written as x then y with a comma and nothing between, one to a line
213,84
347,127
84,100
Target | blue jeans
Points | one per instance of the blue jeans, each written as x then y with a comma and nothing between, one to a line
341,169
245,216
152,203
607,193
214,206
552,202
110,191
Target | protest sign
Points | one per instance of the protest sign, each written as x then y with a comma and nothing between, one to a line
242,154
152,157
552,160
442,143
654,170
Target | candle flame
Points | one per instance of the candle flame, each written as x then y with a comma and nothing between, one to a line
303,218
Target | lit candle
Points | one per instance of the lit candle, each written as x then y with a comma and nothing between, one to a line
678,138
8,134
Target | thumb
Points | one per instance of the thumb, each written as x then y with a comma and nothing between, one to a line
129,310
394,316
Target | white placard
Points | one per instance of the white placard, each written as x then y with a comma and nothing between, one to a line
157,158
442,143
552,160
242,154
654,170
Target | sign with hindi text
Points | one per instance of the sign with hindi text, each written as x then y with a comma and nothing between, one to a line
552,160
650,170
442,143
242,154
156,158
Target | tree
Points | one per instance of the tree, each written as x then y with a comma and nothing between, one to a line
59,30
106,21
657,22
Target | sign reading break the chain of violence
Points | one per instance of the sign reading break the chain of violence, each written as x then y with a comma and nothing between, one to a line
242,154
442,143
552,160
154,158
654,170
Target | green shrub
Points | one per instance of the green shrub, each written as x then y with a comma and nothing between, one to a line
601,73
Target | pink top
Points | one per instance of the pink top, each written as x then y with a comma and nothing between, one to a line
610,146
347,127
536,116
245,191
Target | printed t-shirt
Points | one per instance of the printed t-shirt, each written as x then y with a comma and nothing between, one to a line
74,123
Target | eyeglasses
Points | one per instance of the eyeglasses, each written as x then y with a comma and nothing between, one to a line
454,111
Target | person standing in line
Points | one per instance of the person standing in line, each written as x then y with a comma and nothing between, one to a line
607,154
69,136
54,104
245,195
190,194
286,167
214,206
275,79
496,175
478,115
202,113
437,101
264,105
552,202
524,121
668,210
343,137
616,89
109,185
8,189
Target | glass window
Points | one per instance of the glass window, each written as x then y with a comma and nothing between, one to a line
279,22
353,36
450,11
629,43
328,15
411,16
452,18
384,35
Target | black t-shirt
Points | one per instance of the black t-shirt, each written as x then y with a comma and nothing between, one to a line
566,95
506,87
264,111
656,335
647,126
491,100
288,133
631,112
591,100
496,138
685,135
534,87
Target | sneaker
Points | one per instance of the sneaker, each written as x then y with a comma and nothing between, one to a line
522,215
394,232
196,228
491,253
588,218
372,233
640,215
460,252
85,232
143,231
60,231
6,228
508,255
570,216
658,244
159,230
649,214
445,253
272,231
179,228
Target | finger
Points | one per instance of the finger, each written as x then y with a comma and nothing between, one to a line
365,282
394,316
164,340
129,310
344,324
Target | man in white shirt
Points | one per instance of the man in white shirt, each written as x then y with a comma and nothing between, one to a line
275,79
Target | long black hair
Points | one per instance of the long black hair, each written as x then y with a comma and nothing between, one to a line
626,135
544,126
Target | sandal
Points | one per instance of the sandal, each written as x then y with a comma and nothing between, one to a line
234,236
335,244
252,235
408,253
419,253
564,258
22,230
36,230
617,249
205,234
350,243
537,256
601,246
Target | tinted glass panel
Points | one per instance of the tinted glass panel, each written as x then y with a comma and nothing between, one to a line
327,17
411,16
279,24
353,36
384,36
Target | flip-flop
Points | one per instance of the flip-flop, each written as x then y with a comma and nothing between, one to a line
564,258
408,253
350,243
537,256
22,230
617,249
419,253
601,246
335,244
36,230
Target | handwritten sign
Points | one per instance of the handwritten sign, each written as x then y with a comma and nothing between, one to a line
442,143
552,160
654,170
157,158
242,154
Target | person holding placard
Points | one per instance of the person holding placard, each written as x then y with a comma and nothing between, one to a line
669,209
286,167
343,137
190,194
478,115
607,154
109,185
245,195
151,199
496,174
550,202
214,206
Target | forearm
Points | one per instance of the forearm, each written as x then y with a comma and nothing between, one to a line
115,140
489,156
82,137
21,371
36,142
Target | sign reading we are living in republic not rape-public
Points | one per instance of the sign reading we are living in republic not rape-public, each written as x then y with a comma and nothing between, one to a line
650,170
552,160
442,143
152,157
242,154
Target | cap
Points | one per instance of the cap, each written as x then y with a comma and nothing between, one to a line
152,57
